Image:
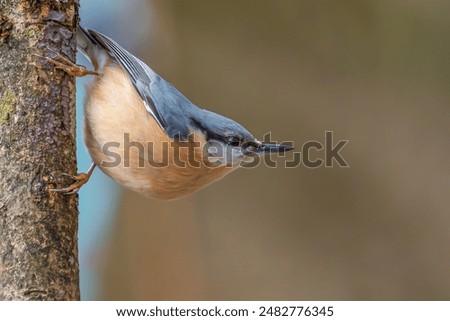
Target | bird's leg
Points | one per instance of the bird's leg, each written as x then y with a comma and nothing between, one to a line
69,67
80,179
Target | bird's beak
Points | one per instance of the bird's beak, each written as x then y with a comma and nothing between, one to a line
273,148
262,148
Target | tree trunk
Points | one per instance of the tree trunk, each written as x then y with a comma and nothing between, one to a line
38,228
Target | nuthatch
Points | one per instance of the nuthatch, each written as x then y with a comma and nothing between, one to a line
131,112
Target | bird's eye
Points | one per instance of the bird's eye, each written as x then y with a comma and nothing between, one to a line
234,141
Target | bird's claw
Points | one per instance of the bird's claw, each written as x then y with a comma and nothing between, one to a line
68,66
80,180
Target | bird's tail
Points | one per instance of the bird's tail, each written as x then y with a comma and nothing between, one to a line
90,48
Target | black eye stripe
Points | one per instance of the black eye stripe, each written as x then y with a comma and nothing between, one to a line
234,141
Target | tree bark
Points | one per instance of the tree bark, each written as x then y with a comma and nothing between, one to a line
38,228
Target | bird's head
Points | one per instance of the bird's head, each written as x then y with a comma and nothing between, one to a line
229,143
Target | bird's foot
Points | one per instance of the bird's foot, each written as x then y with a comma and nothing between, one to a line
80,179
68,66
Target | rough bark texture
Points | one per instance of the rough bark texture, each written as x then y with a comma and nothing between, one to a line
38,228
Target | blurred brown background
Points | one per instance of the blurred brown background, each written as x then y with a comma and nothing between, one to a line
374,72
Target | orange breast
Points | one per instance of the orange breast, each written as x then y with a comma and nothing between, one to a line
127,144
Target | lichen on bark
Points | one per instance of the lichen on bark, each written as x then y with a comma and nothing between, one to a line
8,102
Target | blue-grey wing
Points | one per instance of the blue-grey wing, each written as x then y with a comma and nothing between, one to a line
140,74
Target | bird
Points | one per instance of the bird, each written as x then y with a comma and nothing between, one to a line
145,134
